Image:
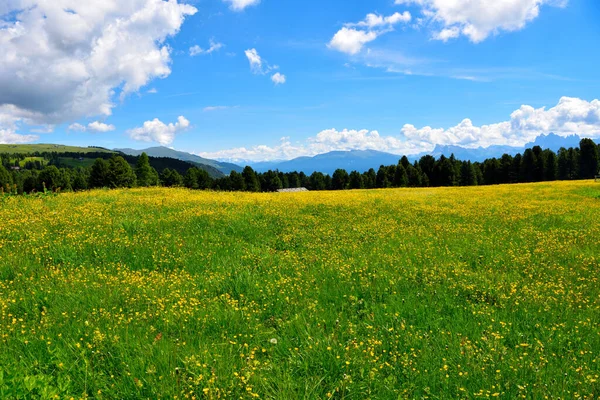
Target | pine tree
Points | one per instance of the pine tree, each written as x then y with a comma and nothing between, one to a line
238,183
120,173
251,180
146,175
401,176
355,180
99,174
381,180
588,159
317,181
340,179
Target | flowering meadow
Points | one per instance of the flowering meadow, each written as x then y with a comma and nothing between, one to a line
476,292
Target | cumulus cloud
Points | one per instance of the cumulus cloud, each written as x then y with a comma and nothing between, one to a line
240,5
376,20
214,46
159,132
67,59
77,127
353,36
95,126
569,116
278,79
351,41
8,136
478,19
9,119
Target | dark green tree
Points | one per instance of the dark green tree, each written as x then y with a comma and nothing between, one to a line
405,163
50,178
339,180
370,179
415,175
190,179
99,174
467,174
170,178
550,165
506,165
80,179
146,175
382,178
401,176
238,184
538,165
515,172
120,173
491,171
251,180
271,182
528,164
317,181
588,159
427,164
5,178
355,180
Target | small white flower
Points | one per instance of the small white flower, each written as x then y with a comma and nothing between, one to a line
273,341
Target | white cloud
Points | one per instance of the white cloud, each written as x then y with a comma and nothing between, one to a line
240,5
77,127
260,66
478,19
214,46
95,126
159,132
67,59
8,136
376,20
353,36
256,63
278,79
215,108
569,116
447,34
350,40
152,91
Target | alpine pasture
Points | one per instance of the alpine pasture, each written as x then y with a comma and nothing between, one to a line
472,292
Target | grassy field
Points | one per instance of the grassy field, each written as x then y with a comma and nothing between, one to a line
59,148
408,293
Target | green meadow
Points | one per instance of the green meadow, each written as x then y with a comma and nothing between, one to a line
475,292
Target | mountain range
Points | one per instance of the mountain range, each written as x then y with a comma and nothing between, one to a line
362,160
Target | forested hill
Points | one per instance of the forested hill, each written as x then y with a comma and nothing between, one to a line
37,156
50,148
162,151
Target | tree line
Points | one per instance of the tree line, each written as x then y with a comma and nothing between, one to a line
534,165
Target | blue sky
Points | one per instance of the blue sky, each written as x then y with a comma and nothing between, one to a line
422,69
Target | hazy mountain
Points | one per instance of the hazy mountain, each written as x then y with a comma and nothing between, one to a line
362,160
478,154
554,142
223,167
359,160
